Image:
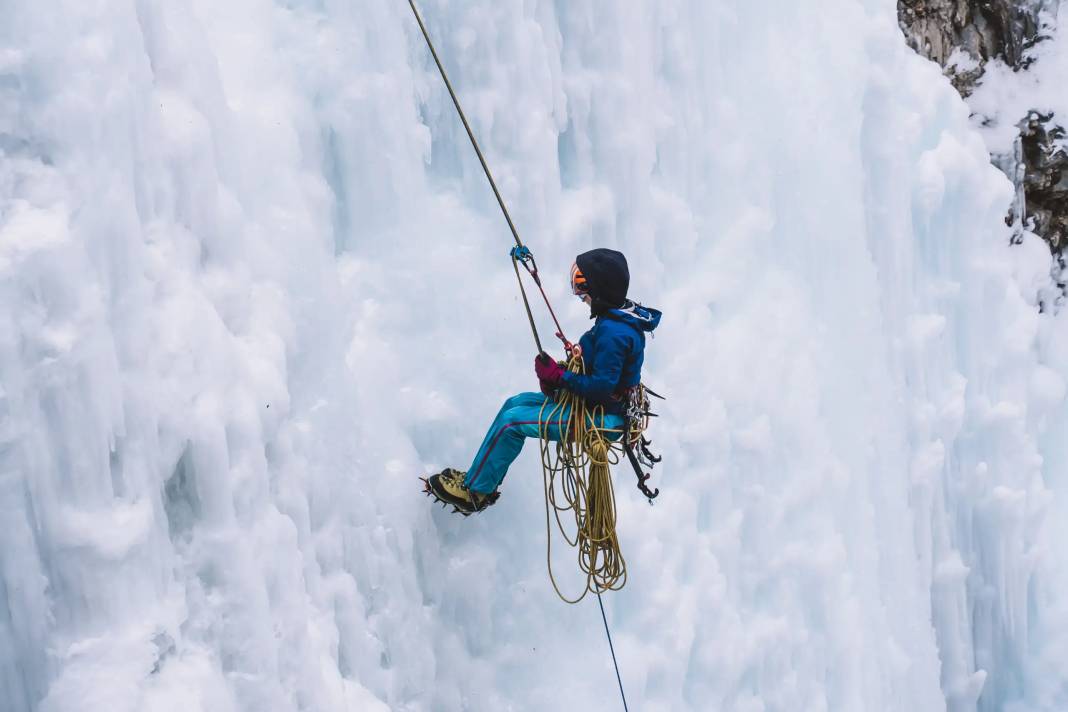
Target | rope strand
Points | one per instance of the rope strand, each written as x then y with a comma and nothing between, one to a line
613,649
526,305
497,194
467,126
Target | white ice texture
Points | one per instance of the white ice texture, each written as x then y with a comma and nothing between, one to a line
253,284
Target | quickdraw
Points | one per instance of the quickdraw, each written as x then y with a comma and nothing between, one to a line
636,414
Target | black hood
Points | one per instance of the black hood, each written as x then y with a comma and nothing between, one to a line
607,274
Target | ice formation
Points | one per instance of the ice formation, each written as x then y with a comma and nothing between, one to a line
253,284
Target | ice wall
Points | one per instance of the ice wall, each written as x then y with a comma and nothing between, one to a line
253,284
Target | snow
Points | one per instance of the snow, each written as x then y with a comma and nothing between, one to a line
254,284
1004,98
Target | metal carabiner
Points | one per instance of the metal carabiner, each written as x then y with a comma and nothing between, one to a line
522,253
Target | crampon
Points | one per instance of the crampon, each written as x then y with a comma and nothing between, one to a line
443,488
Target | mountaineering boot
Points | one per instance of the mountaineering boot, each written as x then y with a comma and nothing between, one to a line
448,487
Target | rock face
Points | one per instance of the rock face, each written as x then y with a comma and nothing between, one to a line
1045,178
963,36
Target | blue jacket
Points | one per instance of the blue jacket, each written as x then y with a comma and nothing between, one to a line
613,351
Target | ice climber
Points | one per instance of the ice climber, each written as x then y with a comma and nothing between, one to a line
613,352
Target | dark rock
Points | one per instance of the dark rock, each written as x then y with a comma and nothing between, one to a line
963,36
984,29
1045,178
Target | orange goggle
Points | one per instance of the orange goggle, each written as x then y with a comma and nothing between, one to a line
579,286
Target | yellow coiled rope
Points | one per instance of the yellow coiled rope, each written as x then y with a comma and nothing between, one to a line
578,480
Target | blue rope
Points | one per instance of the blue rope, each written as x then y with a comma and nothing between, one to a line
613,649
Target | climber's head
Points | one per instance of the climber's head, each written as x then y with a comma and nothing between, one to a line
601,278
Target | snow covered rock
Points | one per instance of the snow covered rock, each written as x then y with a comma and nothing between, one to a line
963,35
967,37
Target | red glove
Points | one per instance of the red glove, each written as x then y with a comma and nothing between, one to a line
550,373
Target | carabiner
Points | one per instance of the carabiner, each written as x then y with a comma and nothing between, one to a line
522,253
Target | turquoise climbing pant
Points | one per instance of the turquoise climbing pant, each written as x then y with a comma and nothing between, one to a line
517,420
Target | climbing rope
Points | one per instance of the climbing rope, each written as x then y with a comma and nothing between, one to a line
611,647
467,126
523,256
520,254
585,452
578,487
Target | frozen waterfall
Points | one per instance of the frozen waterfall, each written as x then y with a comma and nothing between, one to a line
253,284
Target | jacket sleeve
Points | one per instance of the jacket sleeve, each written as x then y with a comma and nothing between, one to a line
605,371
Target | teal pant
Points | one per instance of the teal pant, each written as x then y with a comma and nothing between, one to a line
517,420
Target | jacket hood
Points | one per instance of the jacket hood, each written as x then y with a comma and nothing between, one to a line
607,274
635,315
